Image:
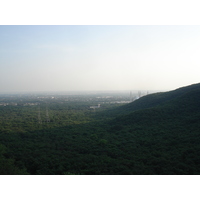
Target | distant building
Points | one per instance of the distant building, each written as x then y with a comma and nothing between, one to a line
94,107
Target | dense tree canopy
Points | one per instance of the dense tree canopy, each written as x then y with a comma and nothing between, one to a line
156,134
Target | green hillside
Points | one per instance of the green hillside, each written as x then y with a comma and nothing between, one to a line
165,127
181,101
155,99
156,134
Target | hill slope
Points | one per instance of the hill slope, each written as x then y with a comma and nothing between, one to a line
165,127
157,134
181,101
156,99
162,98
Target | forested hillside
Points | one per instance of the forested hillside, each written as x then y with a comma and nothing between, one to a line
156,134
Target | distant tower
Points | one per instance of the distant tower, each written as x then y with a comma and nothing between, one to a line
39,116
47,115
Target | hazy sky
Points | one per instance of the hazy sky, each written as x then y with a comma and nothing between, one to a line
65,58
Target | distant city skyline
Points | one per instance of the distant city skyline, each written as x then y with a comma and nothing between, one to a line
98,58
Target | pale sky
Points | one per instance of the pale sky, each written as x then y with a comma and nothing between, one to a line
78,58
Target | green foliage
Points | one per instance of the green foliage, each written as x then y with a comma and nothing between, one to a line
156,134
7,165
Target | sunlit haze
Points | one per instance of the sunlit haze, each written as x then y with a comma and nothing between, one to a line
96,58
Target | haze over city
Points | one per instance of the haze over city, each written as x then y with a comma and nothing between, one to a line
88,58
